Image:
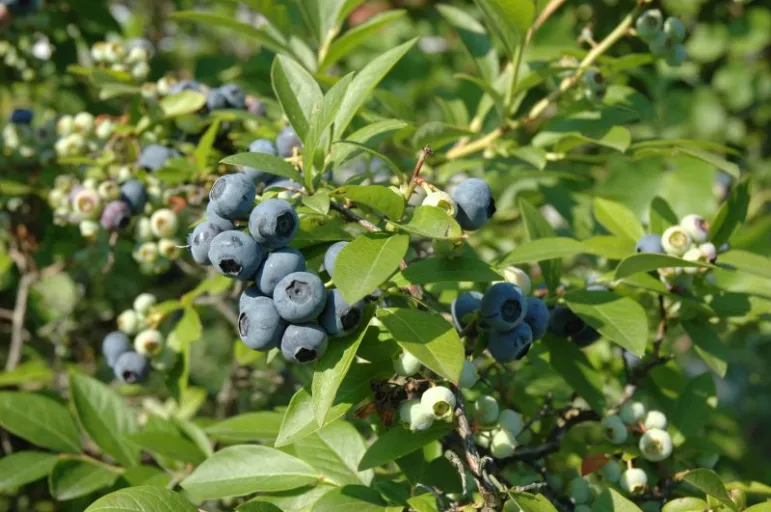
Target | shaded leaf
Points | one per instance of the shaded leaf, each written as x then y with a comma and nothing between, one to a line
40,420
265,163
20,468
70,479
398,442
617,219
573,365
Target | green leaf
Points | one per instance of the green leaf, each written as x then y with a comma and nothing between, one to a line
21,468
712,159
748,262
355,147
537,227
335,452
244,469
250,426
759,507
438,133
750,487
398,442
368,262
423,503
377,197
258,506
646,262
573,365
296,91
233,27
364,83
427,336
357,35
610,246
617,219
474,38
182,103
104,417
33,371
508,20
532,502
351,498
731,214
442,270
143,498
544,249
265,163
203,150
167,445
318,202
374,131
612,501
432,222
710,483
661,216
708,345
40,420
694,407
620,319
297,500
331,369
189,327
70,479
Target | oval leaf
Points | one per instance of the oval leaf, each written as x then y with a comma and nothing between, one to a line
645,262
617,219
40,420
144,498
709,482
21,468
377,197
335,451
167,445
442,270
264,163
432,222
182,103
70,479
251,426
399,442
544,249
573,366
297,92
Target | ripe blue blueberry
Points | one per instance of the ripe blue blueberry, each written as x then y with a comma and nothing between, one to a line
276,267
216,219
475,204
503,306
114,345
466,304
185,85
154,157
259,324
273,223
251,292
303,343
215,100
21,116
537,317
338,317
235,254
234,96
266,147
200,241
232,195
650,243
564,323
116,215
131,367
286,141
511,345
300,297
333,251
134,192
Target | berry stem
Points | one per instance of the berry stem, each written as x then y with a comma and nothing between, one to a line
424,153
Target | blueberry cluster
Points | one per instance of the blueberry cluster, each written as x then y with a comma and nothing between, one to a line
82,134
499,430
687,240
470,202
664,38
22,143
436,403
595,84
118,56
513,320
286,306
286,144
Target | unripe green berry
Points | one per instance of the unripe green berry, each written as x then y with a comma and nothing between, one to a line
677,55
143,302
615,430
656,445
146,253
440,400
655,419
648,24
660,45
144,230
634,480
407,365
676,241
415,415
128,321
83,122
510,421
503,444
483,438
632,413
169,248
89,228
486,410
579,491
86,204
165,360
148,342
164,223
468,375
674,29
108,190
441,200
611,471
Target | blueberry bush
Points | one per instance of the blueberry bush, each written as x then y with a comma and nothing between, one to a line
418,255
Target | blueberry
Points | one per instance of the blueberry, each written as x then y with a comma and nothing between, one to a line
300,297
586,336
21,116
286,141
303,343
268,148
648,25
185,85
114,345
116,215
475,204
273,223
154,157
650,243
467,303
200,241
216,219
511,345
234,96
215,100
503,306
674,29
232,195
331,255
252,292
564,323
276,267
131,367
134,192
259,324
537,317
338,317
235,254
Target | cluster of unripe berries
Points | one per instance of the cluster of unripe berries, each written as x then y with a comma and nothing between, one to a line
512,319
131,359
82,134
498,430
687,240
26,56
120,57
22,142
664,38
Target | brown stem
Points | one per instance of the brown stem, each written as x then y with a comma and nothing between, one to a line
19,315
424,153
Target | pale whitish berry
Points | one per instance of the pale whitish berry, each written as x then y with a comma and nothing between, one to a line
143,302
579,491
486,410
615,430
676,241
98,51
144,231
148,342
655,419
511,421
128,321
708,251
634,480
105,129
483,438
468,375
91,183
406,364
140,70
88,228
696,227
87,204
441,200
518,277
83,122
169,248
503,444
415,416
164,223
108,190
136,54
611,471
692,254
656,445
440,400
632,413
146,253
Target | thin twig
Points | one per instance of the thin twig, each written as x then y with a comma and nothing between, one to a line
545,14
424,153
20,309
